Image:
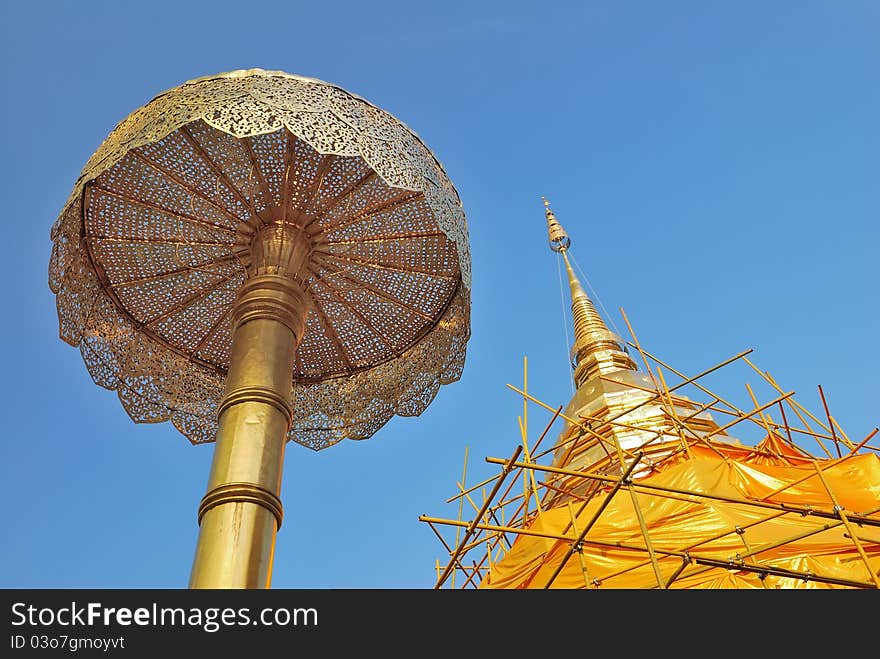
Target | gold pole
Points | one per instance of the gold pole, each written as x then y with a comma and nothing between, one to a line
241,512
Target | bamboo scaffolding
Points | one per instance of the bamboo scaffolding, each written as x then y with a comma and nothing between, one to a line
485,529
849,529
572,421
736,411
797,407
799,536
751,552
671,411
685,402
473,525
694,380
683,428
655,397
834,463
700,560
496,476
717,431
649,488
739,530
503,503
489,511
445,544
501,531
599,511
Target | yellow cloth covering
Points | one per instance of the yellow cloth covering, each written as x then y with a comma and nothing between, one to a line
708,528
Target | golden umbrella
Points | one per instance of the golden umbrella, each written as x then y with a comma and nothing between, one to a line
261,257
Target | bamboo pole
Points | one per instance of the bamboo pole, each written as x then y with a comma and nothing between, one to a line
476,508
840,429
644,528
862,538
770,433
672,414
460,505
863,442
577,548
739,530
639,348
830,422
788,430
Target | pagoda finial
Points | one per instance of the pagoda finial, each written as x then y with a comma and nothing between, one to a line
559,240
596,350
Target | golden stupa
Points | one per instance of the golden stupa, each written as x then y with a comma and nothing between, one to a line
648,488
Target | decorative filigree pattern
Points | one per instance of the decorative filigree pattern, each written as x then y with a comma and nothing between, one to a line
148,255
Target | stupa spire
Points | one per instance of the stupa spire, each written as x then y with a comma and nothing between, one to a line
596,350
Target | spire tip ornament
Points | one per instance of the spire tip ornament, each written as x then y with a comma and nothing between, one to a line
559,240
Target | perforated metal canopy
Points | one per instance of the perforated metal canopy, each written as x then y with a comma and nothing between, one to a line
152,246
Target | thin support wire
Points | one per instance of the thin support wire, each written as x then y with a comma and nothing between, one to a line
595,296
564,320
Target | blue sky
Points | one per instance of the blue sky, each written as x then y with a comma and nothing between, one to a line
715,163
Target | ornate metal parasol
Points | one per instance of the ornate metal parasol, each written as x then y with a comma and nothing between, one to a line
257,256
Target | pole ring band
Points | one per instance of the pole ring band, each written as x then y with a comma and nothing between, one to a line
257,395
272,297
245,493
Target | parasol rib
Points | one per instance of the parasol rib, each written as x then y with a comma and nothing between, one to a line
389,238
264,187
210,333
161,209
248,203
362,318
385,266
175,179
155,241
332,333
380,293
391,204
345,195
289,138
314,186
170,273
195,297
